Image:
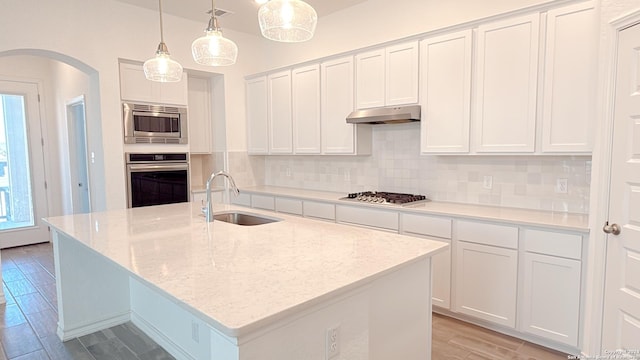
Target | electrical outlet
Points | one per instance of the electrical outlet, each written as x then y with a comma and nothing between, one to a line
487,182
288,171
333,342
562,186
347,175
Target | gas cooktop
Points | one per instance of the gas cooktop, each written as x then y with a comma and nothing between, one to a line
386,198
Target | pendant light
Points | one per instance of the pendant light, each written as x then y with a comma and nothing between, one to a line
287,20
213,49
162,68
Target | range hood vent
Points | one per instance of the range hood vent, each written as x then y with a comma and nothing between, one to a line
385,115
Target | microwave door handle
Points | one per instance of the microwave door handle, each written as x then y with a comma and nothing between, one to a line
156,167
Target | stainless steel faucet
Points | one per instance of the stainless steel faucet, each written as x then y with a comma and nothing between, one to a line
209,214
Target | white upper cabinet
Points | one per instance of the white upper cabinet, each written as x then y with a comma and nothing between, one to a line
338,137
306,109
134,86
506,85
445,95
370,79
257,121
570,75
401,76
280,119
200,120
388,76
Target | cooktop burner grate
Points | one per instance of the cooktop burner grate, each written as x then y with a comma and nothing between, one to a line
386,197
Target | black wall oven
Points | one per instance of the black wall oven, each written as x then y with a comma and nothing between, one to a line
156,179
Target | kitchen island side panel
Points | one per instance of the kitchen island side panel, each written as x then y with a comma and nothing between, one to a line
92,291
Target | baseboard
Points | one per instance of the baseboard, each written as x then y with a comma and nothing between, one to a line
68,334
171,347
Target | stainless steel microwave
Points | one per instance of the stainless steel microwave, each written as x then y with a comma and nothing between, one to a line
154,124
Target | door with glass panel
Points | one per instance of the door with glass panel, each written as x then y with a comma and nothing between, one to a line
23,199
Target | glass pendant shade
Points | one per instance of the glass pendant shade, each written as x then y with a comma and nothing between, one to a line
287,20
162,68
213,49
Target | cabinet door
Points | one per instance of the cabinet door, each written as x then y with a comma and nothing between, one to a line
570,76
486,282
401,74
134,86
199,115
370,79
280,121
257,111
506,85
551,298
441,278
445,93
173,92
338,137
306,109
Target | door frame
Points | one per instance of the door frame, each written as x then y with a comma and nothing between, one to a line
600,187
44,135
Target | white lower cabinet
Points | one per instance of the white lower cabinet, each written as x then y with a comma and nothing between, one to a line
243,199
201,197
550,306
373,218
436,228
551,300
289,206
487,282
319,210
264,202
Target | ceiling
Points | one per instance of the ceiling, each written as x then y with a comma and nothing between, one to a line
243,14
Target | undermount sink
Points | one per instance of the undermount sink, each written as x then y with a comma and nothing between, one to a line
244,219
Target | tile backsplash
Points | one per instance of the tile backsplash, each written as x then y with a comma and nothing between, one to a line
395,165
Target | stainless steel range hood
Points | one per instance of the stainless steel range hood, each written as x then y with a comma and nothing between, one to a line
385,115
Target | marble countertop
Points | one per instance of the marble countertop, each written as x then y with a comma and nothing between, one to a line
240,278
557,220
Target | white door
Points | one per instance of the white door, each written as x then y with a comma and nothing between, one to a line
23,200
621,327
76,123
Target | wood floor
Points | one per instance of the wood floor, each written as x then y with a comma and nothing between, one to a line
28,323
456,340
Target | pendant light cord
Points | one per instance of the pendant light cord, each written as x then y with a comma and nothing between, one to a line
161,33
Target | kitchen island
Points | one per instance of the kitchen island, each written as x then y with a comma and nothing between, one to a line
291,289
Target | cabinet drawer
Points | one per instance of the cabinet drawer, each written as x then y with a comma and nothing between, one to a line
488,234
367,217
242,199
426,225
319,210
263,202
553,243
289,206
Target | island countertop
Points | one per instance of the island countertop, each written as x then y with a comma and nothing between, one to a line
240,278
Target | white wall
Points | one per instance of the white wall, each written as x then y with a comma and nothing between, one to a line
69,83
93,35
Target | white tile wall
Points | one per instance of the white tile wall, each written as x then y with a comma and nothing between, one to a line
518,181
